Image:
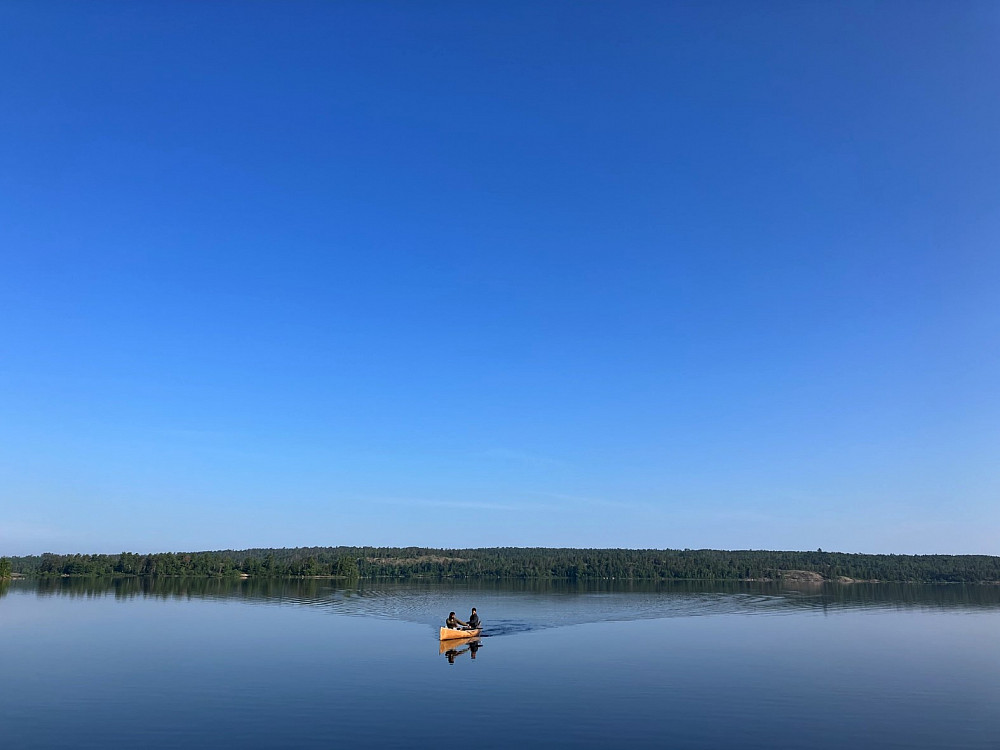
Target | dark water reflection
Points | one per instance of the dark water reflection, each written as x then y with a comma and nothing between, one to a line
451,650
603,599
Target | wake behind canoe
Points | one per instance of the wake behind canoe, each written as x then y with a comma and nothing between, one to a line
448,634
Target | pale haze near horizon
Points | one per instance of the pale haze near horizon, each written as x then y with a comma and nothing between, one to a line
715,275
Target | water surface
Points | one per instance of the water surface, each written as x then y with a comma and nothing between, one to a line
203,663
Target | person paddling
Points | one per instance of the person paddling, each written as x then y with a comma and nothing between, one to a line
454,623
474,620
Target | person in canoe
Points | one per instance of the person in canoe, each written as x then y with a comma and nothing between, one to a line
455,624
474,620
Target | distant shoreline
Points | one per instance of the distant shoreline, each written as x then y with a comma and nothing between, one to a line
764,566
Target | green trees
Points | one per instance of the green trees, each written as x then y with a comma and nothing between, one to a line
6,570
345,566
128,564
525,563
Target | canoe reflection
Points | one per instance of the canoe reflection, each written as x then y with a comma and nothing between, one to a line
459,646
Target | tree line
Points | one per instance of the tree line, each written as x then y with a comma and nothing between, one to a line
519,562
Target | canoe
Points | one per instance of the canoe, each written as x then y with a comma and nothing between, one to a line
448,633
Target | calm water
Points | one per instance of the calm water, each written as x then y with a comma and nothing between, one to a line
307,664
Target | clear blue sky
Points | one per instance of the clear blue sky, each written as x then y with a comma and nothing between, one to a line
460,274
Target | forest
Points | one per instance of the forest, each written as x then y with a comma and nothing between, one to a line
518,562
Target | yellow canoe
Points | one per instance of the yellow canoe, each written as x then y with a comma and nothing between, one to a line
448,633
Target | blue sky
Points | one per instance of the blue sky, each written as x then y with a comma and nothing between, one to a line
473,274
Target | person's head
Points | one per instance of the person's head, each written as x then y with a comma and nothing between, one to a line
473,609
451,614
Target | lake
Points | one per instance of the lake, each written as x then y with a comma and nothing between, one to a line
310,664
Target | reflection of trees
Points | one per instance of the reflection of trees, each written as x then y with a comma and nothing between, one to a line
325,591
184,588
912,595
